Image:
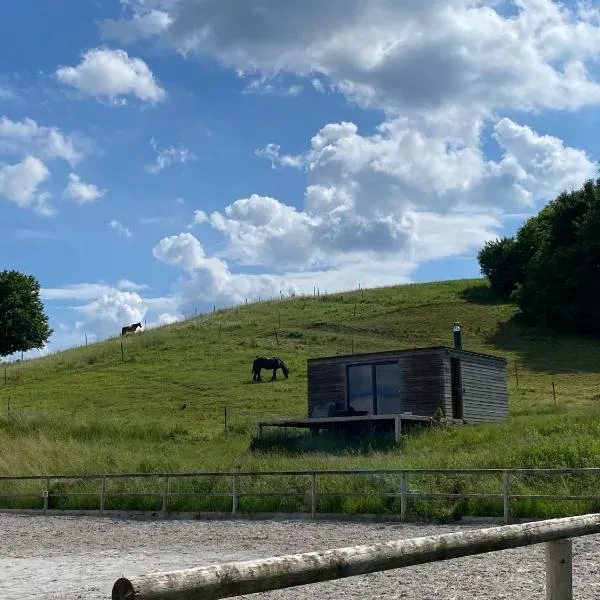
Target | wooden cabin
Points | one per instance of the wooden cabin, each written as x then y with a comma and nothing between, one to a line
467,386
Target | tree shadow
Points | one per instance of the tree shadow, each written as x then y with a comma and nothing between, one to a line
538,348
481,293
546,350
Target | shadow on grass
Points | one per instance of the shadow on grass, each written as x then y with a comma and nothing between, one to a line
545,350
282,442
538,348
481,294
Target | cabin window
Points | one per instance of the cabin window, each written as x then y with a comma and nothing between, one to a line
360,388
387,382
374,388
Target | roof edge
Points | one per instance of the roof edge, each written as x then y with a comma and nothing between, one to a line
408,350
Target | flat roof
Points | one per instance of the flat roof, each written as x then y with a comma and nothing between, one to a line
407,351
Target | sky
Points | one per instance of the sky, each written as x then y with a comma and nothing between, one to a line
161,157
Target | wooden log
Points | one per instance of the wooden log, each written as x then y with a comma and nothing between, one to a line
249,577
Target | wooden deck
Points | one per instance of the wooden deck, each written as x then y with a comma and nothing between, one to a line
340,422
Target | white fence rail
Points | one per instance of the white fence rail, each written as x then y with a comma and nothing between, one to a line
405,485
234,579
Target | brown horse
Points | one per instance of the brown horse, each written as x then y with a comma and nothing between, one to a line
130,328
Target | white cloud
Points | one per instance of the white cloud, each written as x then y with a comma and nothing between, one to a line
262,230
120,229
199,217
167,318
106,314
418,187
271,152
81,192
125,284
143,24
185,251
377,52
270,86
100,310
168,156
27,137
114,74
210,281
19,183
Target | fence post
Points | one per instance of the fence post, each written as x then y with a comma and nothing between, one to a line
559,570
165,496
102,495
506,495
46,493
313,495
403,496
235,495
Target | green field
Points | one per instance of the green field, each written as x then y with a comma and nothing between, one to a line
86,410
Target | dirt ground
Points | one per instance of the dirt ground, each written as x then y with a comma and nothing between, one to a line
49,557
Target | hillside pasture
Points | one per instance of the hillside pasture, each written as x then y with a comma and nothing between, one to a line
160,406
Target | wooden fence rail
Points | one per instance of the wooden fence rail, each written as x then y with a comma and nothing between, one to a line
248,577
401,489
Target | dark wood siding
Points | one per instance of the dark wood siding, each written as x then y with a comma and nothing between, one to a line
421,380
326,384
425,382
422,383
484,384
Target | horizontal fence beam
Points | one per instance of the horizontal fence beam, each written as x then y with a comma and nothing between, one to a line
249,577
394,486
574,471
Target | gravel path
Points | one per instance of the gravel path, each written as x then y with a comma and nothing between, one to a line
81,557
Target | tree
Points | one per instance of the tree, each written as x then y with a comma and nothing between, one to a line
551,268
23,323
499,263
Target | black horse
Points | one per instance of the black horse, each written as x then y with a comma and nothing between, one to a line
130,328
268,363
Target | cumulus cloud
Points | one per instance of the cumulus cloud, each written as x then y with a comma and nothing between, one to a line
121,229
143,23
28,137
376,53
209,280
199,217
167,318
168,156
81,192
185,251
113,74
19,183
101,309
420,186
262,230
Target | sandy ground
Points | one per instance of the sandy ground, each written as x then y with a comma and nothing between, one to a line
81,557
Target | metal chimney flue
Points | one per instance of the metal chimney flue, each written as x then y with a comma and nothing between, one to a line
457,336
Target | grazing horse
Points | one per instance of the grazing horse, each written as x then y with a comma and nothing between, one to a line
130,328
268,363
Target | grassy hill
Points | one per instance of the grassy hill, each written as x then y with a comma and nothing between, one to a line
86,410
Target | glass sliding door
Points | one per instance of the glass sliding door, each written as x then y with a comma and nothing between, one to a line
387,386
374,389
360,388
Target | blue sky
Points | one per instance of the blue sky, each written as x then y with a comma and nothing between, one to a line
163,156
